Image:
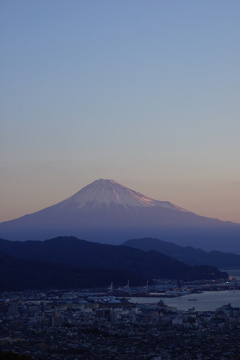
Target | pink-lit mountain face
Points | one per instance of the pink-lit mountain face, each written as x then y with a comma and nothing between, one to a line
108,212
110,194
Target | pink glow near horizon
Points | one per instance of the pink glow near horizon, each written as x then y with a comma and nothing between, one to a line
216,204
145,95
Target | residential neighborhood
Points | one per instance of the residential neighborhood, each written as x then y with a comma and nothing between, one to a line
71,325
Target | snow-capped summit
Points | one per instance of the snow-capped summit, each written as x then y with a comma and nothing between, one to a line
108,212
109,192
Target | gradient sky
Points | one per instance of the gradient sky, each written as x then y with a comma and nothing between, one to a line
145,92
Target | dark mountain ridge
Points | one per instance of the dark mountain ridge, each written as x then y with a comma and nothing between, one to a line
81,253
186,254
19,274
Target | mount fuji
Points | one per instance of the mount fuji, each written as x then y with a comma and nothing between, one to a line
107,212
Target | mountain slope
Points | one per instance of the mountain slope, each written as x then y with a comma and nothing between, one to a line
108,212
187,254
81,253
20,274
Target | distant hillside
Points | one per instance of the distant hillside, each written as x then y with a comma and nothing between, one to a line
20,274
81,253
186,254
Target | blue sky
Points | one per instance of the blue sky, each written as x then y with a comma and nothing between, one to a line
142,92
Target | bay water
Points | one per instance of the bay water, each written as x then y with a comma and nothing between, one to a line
206,301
